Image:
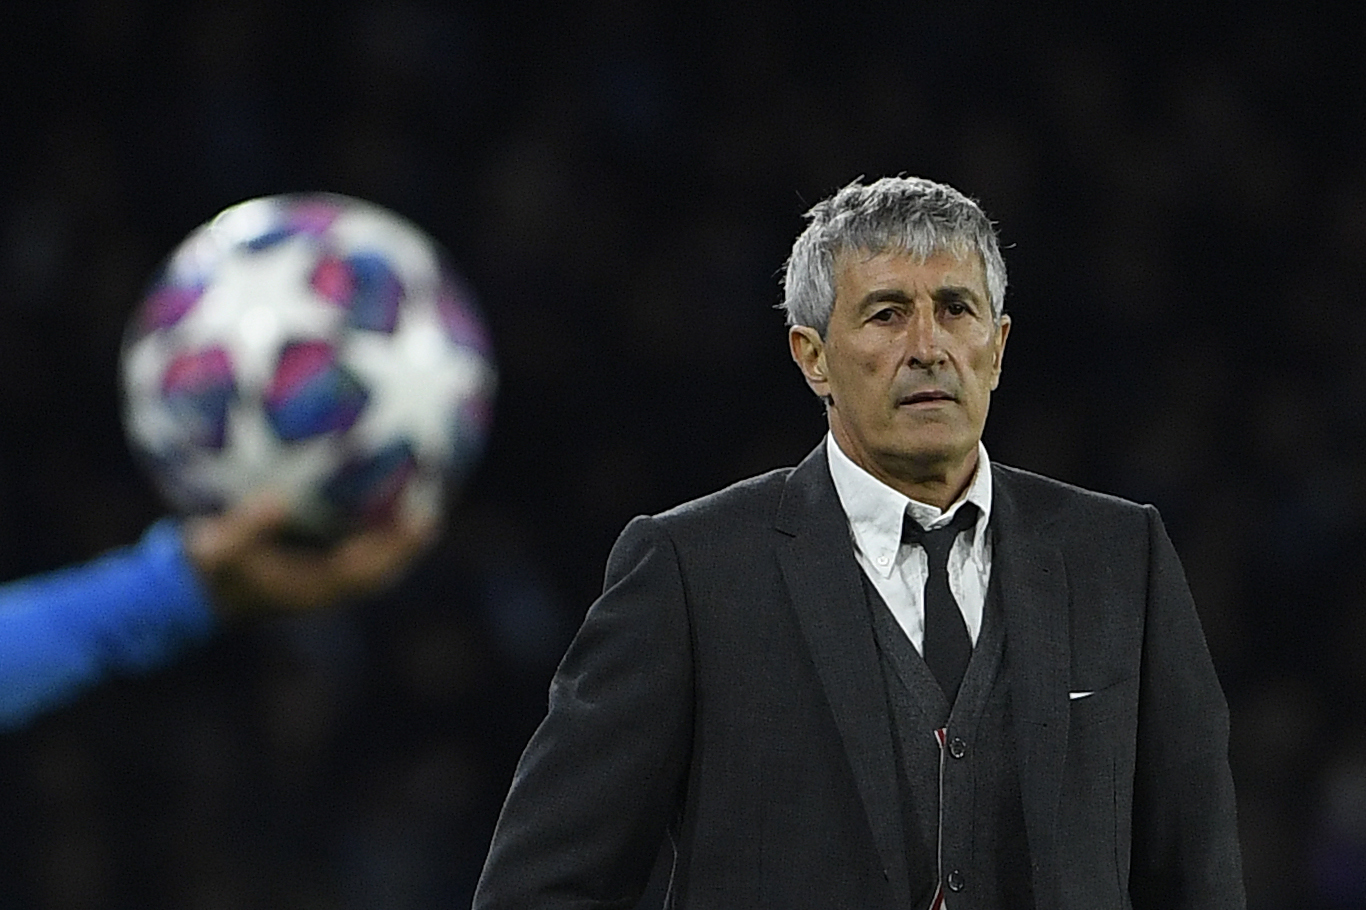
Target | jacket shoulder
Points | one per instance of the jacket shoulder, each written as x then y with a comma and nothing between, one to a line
753,500
1046,500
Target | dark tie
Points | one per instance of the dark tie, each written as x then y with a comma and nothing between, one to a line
947,647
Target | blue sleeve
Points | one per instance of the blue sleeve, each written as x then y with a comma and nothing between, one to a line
128,611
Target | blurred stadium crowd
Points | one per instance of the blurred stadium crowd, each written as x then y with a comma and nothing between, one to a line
1183,198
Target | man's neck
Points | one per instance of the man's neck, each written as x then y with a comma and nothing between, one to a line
934,484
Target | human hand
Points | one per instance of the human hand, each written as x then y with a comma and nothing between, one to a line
249,567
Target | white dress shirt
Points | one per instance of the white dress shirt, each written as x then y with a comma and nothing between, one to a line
898,570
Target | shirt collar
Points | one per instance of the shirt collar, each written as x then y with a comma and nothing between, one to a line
876,511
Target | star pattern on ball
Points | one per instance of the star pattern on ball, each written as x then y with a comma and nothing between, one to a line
253,464
146,412
412,369
258,303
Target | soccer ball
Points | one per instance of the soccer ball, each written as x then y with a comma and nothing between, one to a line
315,346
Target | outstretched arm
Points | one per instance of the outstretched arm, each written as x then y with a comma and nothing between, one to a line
138,608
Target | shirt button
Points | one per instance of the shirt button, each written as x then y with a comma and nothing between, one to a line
882,560
956,881
957,748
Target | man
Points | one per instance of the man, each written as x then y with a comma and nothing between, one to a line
138,608
825,704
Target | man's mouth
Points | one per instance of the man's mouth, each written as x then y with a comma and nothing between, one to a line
926,396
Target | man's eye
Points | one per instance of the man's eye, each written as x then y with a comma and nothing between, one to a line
886,315
956,308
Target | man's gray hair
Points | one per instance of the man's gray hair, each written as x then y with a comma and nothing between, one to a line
894,214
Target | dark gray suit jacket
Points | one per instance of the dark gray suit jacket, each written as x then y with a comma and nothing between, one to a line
725,690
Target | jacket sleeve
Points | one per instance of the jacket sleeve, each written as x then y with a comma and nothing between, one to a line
601,779
1185,839
131,610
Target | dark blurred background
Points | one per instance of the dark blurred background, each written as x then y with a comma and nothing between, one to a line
1183,196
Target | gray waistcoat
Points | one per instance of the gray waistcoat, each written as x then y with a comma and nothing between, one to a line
985,859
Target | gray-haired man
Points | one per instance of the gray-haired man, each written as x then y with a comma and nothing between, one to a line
897,675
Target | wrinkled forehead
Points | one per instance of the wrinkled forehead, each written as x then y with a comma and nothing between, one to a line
959,264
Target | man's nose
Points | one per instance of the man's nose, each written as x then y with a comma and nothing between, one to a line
924,337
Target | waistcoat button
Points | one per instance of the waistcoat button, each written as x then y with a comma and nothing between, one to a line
957,748
956,881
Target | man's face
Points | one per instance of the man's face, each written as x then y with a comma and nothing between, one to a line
908,364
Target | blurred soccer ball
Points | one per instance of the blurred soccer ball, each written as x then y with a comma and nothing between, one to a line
313,345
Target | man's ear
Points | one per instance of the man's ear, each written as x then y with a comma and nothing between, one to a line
808,351
1002,332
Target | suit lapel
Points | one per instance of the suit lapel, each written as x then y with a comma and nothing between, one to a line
826,591
1033,588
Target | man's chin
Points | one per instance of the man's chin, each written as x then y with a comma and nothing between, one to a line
931,459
